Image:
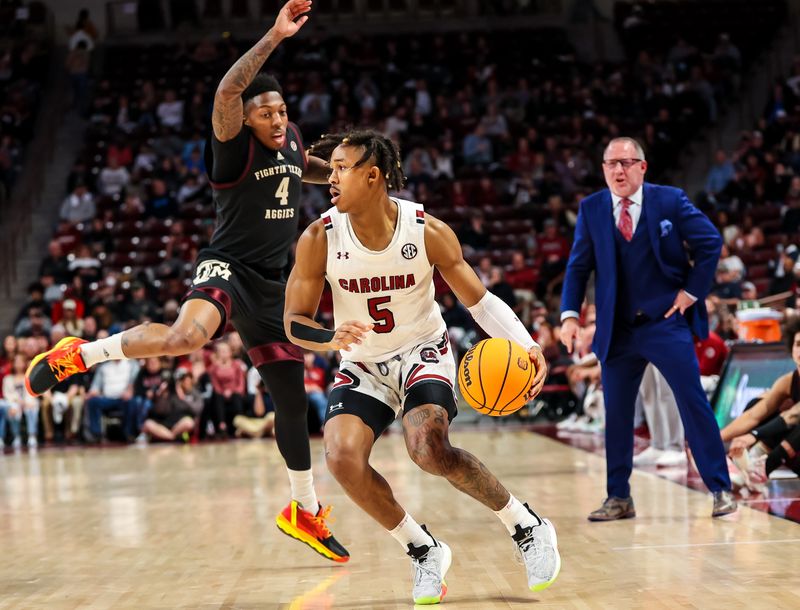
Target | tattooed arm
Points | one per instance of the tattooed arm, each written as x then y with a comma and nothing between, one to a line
228,113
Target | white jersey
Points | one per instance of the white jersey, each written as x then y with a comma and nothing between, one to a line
392,289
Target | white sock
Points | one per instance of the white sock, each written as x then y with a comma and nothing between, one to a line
514,513
101,350
302,482
409,531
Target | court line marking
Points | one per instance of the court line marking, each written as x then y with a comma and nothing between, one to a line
689,545
767,500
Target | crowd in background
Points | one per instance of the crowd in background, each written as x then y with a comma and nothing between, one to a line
501,135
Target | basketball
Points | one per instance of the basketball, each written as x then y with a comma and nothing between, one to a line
495,376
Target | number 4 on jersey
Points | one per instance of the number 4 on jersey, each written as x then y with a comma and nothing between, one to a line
283,191
384,318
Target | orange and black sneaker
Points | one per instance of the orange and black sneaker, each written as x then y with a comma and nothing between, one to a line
54,366
306,527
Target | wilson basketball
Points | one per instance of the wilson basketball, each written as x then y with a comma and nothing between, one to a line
495,376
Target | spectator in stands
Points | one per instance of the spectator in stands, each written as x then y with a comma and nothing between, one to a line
314,376
84,31
499,287
584,380
170,111
111,391
473,234
19,402
7,351
85,264
522,278
727,282
37,324
553,254
64,404
477,148
35,301
171,416
228,380
784,279
494,124
77,64
114,178
484,270
55,263
720,174
78,206
145,387
73,325
259,417
160,202
749,292
139,307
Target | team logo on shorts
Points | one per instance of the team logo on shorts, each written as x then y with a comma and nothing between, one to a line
428,355
409,251
293,146
209,269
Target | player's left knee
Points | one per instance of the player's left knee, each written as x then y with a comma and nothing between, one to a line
431,453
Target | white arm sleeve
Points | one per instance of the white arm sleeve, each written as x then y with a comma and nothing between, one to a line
497,319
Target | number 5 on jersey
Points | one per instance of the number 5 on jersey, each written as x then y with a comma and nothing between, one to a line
384,318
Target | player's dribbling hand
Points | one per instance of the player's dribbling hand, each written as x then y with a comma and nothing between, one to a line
537,357
285,24
348,333
740,444
569,330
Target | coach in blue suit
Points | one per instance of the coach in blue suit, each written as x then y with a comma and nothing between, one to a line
650,296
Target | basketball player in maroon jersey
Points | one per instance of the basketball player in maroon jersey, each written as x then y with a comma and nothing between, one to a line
256,163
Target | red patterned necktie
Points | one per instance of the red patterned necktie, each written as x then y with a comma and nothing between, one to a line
625,224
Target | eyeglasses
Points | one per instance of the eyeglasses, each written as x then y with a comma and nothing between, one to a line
625,163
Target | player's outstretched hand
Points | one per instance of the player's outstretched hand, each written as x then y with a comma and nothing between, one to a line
348,333
285,24
741,444
537,357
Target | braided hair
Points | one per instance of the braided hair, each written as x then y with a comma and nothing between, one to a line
378,150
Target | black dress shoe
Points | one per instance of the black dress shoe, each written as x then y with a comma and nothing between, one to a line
724,503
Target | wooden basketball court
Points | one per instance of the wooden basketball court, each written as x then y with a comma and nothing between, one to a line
193,527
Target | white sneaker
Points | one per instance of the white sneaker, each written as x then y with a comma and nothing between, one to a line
565,424
738,478
32,442
16,444
648,457
430,566
672,458
538,548
141,439
590,426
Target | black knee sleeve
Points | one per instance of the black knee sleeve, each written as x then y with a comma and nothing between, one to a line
783,455
772,432
284,380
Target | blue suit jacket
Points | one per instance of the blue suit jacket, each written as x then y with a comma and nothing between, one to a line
673,224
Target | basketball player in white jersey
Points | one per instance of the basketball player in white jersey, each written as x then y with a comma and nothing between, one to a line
378,255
